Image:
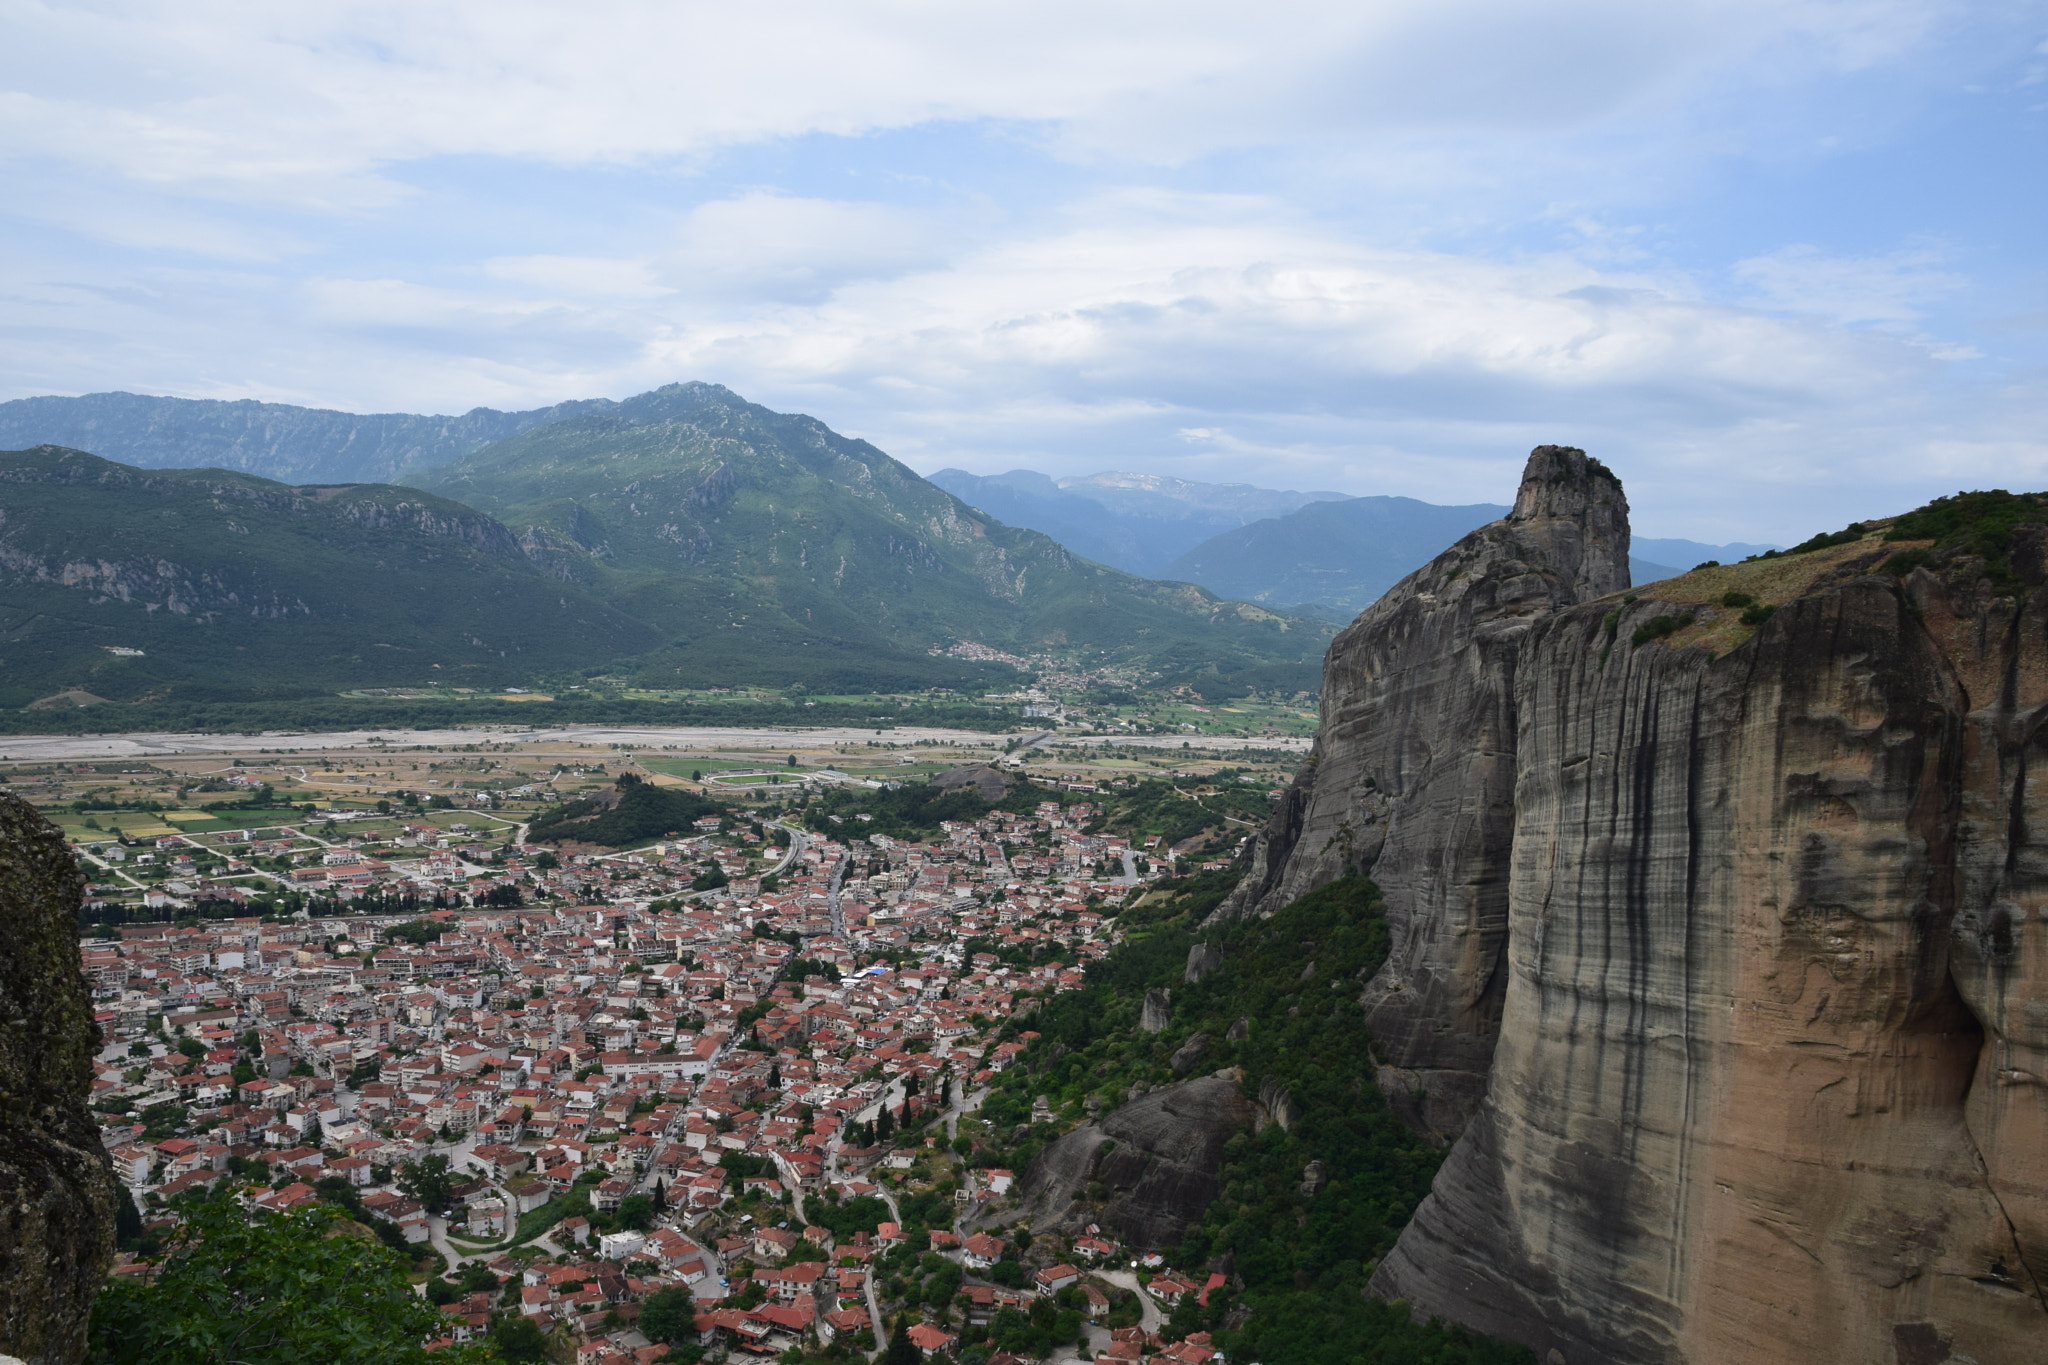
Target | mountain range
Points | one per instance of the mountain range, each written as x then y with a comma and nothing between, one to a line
684,538
253,550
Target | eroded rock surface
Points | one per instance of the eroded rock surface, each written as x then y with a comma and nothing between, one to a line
56,1186
1743,929
1156,1159
1413,772
1770,1081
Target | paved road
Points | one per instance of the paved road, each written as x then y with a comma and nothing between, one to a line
832,898
437,1237
1149,1316
963,1104
875,1316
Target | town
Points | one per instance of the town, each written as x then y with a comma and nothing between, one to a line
714,1094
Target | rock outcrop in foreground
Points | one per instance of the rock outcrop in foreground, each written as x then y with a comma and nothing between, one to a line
56,1187
1742,926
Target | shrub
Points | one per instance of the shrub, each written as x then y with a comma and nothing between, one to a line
1657,628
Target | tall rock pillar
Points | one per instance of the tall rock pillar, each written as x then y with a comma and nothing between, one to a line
1413,773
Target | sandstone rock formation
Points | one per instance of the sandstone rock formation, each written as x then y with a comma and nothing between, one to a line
1745,926
1412,775
1156,1159
56,1186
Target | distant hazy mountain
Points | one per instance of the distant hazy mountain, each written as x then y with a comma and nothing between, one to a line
1685,555
1334,559
274,440
1137,522
1335,556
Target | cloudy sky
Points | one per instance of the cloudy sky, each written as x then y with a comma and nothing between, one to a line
1781,263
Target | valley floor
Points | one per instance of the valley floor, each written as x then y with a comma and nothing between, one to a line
142,745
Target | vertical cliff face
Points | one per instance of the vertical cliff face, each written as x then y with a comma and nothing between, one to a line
1413,773
56,1188
1769,1075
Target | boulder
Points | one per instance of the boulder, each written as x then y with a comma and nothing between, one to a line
1203,959
1156,1157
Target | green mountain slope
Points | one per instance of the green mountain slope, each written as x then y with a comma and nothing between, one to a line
768,548
234,587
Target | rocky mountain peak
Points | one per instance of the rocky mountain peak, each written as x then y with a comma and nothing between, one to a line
1570,509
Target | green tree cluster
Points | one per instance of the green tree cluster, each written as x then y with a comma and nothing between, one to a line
251,1288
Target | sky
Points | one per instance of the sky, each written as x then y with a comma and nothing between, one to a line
1781,265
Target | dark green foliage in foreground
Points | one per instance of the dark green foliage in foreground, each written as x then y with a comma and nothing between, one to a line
1304,1261
642,812
300,1288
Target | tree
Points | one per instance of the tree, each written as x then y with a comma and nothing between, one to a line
518,1340
636,1212
660,1198
426,1181
297,1288
902,1350
669,1315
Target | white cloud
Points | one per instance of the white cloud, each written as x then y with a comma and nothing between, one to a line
1894,288
309,104
1446,247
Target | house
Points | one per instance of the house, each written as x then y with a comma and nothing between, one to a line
487,1218
843,1322
617,1246
981,1251
774,1243
786,1282
1094,1248
1053,1279
930,1340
